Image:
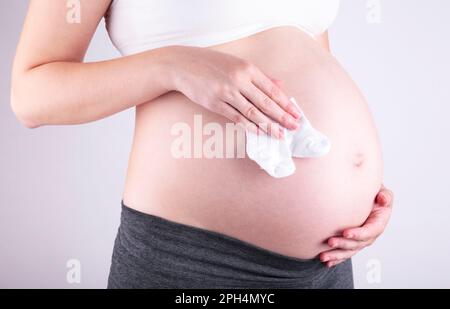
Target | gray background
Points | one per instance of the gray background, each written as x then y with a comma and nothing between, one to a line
60,187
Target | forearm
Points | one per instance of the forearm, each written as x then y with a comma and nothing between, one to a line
71,93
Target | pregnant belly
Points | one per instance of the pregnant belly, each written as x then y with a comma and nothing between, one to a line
292,216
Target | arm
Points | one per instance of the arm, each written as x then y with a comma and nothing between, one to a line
51,85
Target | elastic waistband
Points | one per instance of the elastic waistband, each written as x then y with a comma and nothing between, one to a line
204,245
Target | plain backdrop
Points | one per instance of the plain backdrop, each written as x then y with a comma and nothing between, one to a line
60,187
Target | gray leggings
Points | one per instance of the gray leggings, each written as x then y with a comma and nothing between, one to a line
153,252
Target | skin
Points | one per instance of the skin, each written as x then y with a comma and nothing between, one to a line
38,71
49,60
355,239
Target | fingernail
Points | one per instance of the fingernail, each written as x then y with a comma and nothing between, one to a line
334,245
325,259
349,236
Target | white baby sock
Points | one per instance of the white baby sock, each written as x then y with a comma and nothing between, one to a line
275,156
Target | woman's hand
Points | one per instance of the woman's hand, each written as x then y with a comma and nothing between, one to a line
356,239
232,87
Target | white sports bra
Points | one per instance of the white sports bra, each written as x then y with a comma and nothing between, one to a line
139,25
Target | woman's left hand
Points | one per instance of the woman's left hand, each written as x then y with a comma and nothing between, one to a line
355,239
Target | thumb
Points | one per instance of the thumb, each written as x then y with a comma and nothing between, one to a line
384,197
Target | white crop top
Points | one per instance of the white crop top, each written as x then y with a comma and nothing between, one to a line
139,25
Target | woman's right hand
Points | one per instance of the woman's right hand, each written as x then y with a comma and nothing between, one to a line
233,88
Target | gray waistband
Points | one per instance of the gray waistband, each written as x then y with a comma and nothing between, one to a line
167,251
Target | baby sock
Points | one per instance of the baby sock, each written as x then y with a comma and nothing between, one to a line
308,142
275,155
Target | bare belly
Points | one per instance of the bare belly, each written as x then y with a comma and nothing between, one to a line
291,216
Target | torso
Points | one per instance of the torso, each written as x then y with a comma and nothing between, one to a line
293,215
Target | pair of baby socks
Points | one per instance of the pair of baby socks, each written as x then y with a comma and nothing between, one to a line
275,155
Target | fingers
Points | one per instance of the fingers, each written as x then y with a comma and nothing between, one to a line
334,263
254,115
366,232
356,239
274,92
373,227
231,113
385,197
337,254
346,244
343,249
270,108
